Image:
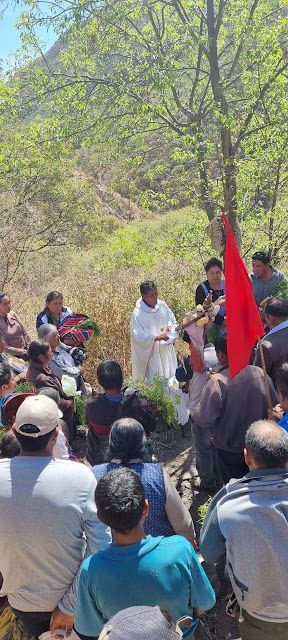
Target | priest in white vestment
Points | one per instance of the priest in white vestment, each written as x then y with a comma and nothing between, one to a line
151,323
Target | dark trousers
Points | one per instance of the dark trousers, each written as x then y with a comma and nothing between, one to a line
231,465
253,629
34,622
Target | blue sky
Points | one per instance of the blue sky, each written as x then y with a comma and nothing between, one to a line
10,36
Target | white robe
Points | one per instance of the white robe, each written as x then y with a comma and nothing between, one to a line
150,358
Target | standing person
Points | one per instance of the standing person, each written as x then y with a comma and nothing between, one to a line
275,343
48,522
248,520
264,277
279,413
214,282
14,334
137,569
151,323
116,402
228,407
206,462
54,310
167,514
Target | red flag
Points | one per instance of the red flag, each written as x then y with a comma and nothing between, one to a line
242,316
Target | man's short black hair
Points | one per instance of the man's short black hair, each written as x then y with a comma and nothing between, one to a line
213,262
109,374
269,449
277,307
262,256
9,445
221,343
146,286
282,380
120,499
5,373
37,348
33,444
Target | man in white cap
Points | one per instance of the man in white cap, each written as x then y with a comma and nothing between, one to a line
48,522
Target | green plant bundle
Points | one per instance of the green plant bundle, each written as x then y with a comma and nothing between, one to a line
89,324
79,408
281,290
24,387
202,510
212,333
2,431
158,394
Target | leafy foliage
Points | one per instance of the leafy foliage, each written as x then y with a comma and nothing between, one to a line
159,397
281,290
206,80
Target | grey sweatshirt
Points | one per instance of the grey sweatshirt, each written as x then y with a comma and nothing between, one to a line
249,520
48,524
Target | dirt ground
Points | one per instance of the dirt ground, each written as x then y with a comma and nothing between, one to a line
177,454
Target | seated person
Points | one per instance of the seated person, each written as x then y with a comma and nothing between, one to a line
61,448
280,412
54,310
62,362
74,331
137,569
167,514
17,365
9,445
116,402
14,334
41,375
7,383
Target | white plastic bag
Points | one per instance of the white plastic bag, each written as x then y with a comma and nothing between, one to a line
46,635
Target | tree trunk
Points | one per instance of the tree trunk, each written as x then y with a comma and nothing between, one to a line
229,167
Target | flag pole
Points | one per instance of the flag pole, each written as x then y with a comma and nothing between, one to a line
267,389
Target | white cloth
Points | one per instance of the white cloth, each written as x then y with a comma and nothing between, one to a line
150,358
181,407
60,449
198,381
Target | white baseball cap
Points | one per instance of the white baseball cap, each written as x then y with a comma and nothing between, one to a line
40,411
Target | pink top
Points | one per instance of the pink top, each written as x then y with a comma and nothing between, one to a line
14,333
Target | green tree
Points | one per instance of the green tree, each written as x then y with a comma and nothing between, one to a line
42,204
207,74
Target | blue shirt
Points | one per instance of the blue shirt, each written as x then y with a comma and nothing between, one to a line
284,422
155,571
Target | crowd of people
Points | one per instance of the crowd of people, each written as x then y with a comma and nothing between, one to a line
107,549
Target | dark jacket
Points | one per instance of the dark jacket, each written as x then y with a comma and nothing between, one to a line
41,377
228,407
45,316
275,350
102,412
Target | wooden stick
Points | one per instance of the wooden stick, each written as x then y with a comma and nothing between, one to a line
267,389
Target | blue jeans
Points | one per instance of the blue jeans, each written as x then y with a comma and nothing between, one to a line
206,461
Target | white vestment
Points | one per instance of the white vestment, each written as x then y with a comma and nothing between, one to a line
150,358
